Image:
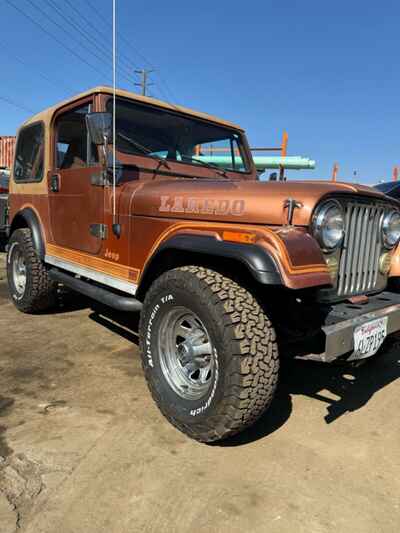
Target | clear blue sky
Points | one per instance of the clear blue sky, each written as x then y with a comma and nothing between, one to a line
327,72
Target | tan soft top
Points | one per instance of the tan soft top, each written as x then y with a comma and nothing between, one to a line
47,114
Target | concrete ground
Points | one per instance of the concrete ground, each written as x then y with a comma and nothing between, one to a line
84,449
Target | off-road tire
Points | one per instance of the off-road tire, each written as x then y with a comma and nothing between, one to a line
245,347
40,291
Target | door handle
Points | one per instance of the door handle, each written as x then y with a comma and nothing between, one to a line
55,183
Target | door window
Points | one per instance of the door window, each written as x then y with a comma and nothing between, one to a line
73,149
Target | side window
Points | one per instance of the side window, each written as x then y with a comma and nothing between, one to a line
72,147
29,154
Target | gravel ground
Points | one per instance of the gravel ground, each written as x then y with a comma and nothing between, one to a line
84,450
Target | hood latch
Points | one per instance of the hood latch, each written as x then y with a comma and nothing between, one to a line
291,204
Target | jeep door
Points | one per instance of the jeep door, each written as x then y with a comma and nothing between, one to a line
76,206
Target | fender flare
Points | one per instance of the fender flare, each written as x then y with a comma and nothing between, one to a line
32,221
257,260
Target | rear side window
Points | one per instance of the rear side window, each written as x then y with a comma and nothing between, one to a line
29,154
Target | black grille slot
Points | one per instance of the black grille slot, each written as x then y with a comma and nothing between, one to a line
359,262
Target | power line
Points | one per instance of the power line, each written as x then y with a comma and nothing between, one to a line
128,63
38,72
69,49
129,43
166,89
60,26
106,24
152,67
39,25
77,27
19,106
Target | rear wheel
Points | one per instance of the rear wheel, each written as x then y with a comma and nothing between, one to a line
28,282
209,353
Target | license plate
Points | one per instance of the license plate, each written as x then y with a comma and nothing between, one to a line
368,338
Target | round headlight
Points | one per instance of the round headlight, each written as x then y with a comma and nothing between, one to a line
391,228
328,225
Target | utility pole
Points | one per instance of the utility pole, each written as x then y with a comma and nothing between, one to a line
144,77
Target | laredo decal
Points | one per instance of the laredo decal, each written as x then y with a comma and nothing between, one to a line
201,206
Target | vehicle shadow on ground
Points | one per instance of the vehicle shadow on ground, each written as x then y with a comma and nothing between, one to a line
69,301
126,325
342,388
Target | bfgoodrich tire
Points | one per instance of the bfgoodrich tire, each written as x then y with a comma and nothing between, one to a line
209,353
28,282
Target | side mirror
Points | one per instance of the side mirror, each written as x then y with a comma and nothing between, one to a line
100,127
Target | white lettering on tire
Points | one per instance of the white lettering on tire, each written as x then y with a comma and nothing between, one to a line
156,308
199,410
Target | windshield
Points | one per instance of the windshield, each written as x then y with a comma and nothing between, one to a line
175,137
386,187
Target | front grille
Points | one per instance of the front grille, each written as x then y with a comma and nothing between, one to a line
359,262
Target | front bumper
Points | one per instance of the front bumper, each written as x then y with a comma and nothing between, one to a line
342,319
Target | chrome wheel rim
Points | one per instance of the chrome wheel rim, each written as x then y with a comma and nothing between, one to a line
186,353
19,271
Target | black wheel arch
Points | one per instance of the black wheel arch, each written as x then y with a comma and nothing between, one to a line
27,218
187,249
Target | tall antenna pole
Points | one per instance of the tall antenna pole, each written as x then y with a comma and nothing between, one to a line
114,108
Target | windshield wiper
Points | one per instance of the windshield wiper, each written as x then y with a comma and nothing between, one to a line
148,152
142,148
206,164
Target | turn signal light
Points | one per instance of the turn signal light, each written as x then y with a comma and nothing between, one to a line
238,236
333,267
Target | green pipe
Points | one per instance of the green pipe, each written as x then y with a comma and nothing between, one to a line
261,162
289,162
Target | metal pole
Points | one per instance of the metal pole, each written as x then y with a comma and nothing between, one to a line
114,108
285,140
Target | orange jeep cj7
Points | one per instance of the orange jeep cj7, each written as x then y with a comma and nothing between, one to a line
228,273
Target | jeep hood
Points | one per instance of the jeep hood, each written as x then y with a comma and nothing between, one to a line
251,202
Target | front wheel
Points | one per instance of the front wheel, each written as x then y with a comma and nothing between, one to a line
209,353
